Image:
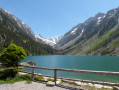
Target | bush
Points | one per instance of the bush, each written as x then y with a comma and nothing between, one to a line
10,58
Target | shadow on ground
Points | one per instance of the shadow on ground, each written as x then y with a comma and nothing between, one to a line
68,87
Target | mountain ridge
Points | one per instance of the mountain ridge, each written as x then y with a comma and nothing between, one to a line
98,35
13,30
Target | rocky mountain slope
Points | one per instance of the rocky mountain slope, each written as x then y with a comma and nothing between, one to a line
99,35
13,30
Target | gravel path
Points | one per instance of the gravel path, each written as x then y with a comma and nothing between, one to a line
33,86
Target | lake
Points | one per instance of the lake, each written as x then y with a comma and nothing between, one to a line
97,63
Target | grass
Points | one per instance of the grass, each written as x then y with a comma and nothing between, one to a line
103,40
49,79
93,88
28,82
84,86
71,83
38,78
19,78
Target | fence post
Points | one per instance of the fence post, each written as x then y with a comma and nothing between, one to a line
55,75
33,71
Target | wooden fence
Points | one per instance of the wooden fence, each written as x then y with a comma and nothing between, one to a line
76,71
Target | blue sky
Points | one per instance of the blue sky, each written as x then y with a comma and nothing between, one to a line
55,17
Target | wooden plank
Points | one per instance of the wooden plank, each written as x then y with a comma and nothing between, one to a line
37,67
78,71
91,72
93,82
37,74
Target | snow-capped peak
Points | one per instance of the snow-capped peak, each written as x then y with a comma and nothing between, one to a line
49,41
55,39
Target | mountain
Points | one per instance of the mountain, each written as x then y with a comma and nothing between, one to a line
18,23
99,35
13,30
76,32
49,41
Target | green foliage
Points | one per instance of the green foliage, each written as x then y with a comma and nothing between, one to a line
111,48
38,78
70,83
94,88
49,79
28,82
104,40
10,57
17,78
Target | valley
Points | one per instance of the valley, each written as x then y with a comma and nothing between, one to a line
97,36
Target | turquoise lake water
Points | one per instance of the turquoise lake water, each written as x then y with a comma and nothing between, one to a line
97,63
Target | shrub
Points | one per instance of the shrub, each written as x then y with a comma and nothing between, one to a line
10,58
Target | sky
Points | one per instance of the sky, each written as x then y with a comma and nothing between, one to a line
51,18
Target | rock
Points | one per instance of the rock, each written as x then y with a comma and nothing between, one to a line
107,87
78,83
45,78
58,82
90,84
84,84
31,63
50,83
98,85
115,88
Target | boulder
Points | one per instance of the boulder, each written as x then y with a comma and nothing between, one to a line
50,83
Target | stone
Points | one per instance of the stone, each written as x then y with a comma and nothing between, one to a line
58,82
107,87
90,84
50,83
115,88
78,83
98,85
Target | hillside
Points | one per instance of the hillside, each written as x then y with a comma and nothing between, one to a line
99,35
13,30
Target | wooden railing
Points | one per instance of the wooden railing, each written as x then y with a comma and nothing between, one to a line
76,71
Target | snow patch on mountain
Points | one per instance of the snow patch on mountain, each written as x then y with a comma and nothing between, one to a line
99,20
14,17
82,32
104,16
74,31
